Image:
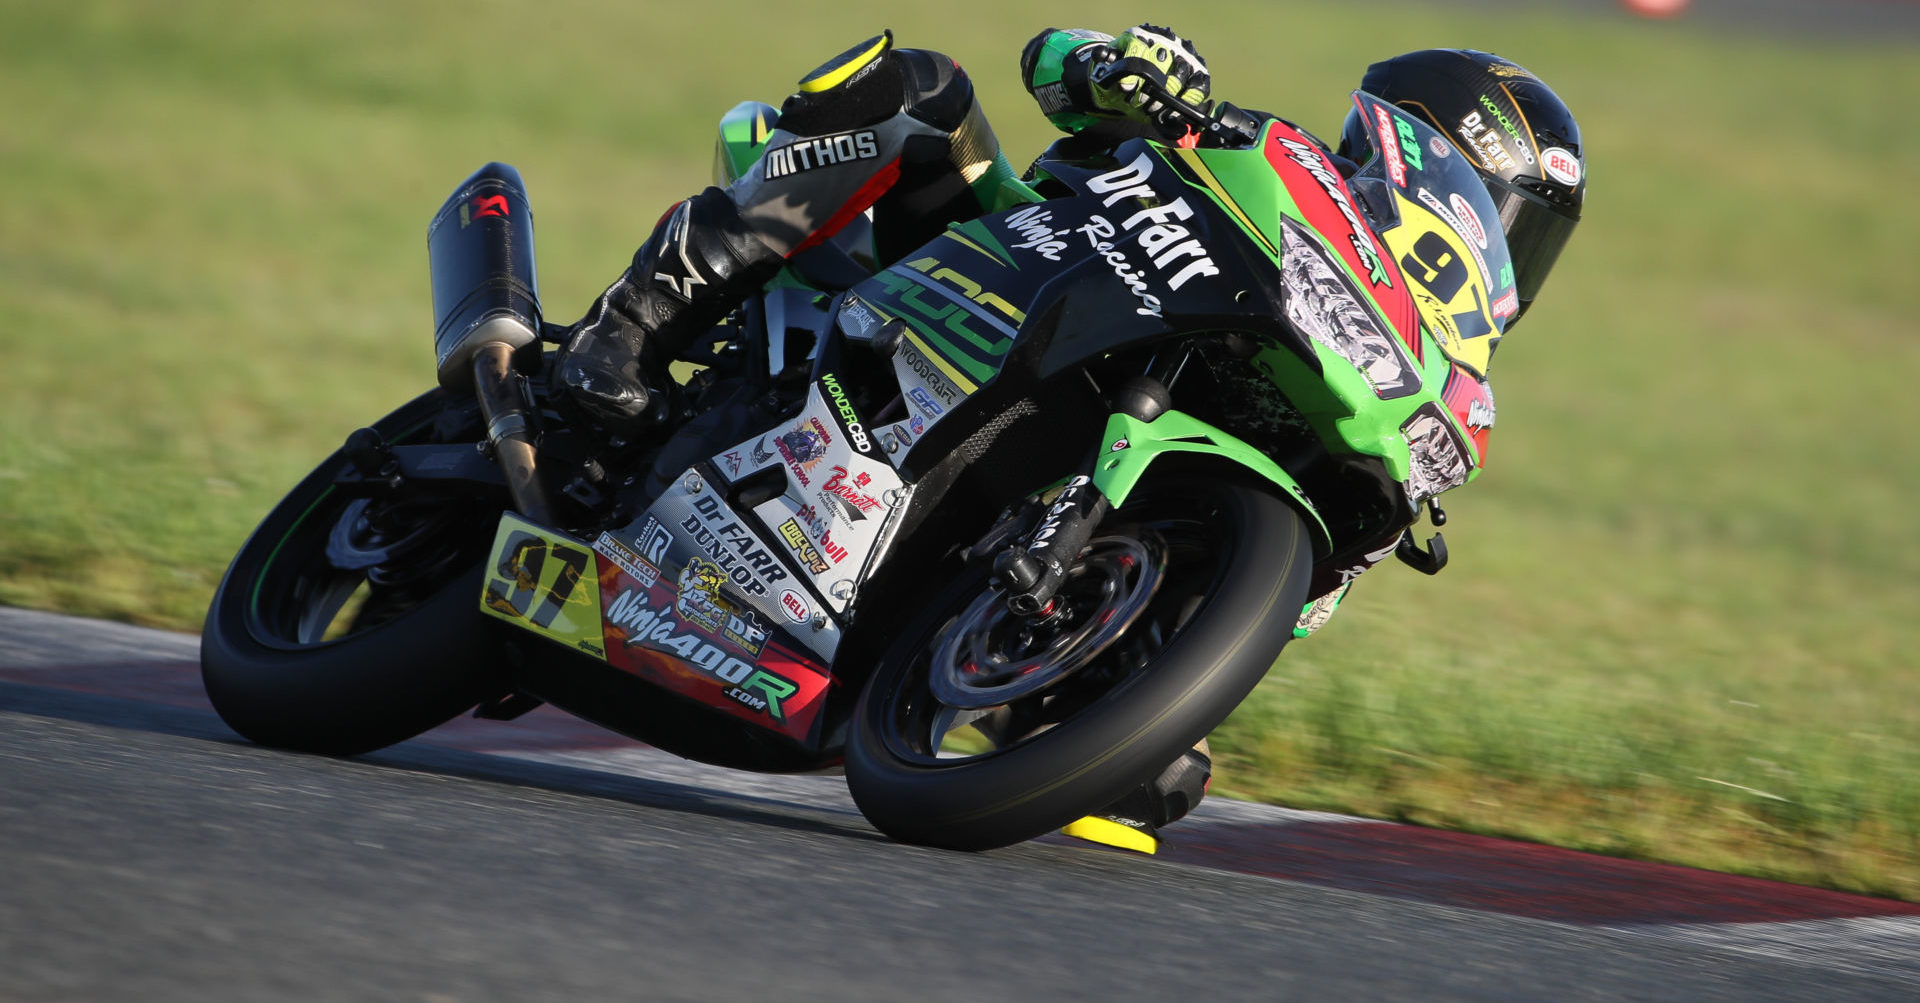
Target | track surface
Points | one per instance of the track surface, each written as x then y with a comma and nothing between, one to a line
146,853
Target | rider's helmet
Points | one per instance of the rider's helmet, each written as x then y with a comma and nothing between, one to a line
1514,130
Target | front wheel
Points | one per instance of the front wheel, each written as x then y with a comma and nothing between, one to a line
983,729
349,623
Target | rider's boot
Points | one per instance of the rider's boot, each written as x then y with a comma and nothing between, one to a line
1134,821
701,261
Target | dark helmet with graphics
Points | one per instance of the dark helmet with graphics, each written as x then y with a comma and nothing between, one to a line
1512,128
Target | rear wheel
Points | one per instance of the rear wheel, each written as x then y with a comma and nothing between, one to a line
982,729
349,623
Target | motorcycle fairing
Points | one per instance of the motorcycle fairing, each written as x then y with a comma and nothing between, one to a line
1130,444
684,634
929,384
1327,205
835,513
1129,253
657,614
1470,400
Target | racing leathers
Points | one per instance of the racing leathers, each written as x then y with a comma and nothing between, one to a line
894,130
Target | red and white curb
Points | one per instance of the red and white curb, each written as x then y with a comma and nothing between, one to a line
1604,895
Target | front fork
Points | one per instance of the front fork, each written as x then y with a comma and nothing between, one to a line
1032,570
1142,428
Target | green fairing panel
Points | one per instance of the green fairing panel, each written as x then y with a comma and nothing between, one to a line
999,189
1242,184
1131,445
1339,400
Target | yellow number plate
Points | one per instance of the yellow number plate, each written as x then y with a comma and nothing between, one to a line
545,582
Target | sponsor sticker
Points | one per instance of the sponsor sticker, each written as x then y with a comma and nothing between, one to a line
1390,146
803,447
1052,98
1561,165
811,154
1358,234
858,319
1459,227
1508,304
654,541
1471,401
933,381
1034,228
646,624
1519,141
847,495
633,564
923,401
699,599
1469,221
1484,140
844,413
731,546
802,549
1158,227
794,606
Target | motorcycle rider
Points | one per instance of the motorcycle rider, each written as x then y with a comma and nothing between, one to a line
899,131
894,130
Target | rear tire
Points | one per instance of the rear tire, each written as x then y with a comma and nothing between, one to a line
300,653
1234,569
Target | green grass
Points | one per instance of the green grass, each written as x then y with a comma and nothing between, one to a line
1680,613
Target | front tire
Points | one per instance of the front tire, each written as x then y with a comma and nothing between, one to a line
933,760
347,624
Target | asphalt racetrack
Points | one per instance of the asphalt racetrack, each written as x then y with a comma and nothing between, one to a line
146,853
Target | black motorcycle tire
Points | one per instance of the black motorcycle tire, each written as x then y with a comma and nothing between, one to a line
1262,559
379,685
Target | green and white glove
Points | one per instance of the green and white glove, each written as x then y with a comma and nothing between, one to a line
1085,79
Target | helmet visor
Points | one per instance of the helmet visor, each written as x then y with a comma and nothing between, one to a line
1536,232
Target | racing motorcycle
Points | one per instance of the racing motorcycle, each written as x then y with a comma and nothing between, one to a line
1004,524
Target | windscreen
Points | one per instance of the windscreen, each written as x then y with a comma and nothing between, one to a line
1434,213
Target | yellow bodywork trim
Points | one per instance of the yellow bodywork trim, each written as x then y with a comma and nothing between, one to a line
1110,833
836,73
957,236
959,379
1226,201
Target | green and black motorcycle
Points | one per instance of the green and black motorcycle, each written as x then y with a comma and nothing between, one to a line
1005,525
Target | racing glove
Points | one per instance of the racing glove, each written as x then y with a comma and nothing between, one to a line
1088,81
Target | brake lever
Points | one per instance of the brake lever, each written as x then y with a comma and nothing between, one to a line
1194,115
